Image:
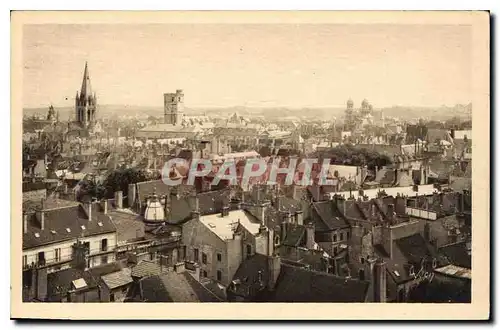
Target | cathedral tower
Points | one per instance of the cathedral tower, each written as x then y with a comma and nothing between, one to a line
173,107
85,102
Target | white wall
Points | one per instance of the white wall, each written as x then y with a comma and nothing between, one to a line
66,250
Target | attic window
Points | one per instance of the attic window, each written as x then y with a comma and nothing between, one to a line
99,224
396,273
68,230
37,235
83,227
53,232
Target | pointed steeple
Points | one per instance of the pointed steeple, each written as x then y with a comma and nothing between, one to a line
86,88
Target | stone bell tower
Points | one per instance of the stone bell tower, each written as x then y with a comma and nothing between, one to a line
85,102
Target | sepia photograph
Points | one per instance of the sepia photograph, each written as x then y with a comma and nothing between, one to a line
278,159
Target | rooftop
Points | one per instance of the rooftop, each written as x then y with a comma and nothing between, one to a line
224,227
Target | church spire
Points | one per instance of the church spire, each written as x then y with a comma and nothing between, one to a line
86,88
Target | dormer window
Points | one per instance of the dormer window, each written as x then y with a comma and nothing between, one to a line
68,230
99,224
37,235
83,227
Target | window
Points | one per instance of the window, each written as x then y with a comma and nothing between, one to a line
341,236
205,273
196,255
249,250
57,255
347,235
104,244
104,259
219,257
362,274
25,260
41,258
362,260
334,237
111,297
219,275
204,258
335,250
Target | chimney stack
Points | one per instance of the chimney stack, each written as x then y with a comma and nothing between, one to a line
25,223
225,211
104,206
195,204
270,241
299,217
390,211
379,281
40,215
310,236
274,270
131,195
119,199
89,212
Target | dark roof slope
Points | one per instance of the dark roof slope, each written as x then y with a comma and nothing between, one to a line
300,285
457,254
329,215
58,221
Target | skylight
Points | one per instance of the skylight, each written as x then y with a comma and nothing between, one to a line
396,273
99,224
68,230
37,235
53,232
83,227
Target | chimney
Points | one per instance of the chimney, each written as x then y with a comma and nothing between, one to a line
379,281
197,271
270,242
284,229
131,195
294,192
195,205
179,267
390,212
40,216
89,212
25,223
104,206
119,199
225,211
396,175
310,236
40,283
299,217
274,263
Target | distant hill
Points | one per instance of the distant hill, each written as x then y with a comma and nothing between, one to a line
402,112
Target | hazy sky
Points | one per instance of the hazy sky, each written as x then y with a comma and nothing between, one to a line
252,65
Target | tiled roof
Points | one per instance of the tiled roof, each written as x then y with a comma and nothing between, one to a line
174,287
294,235
117,279
247,276
457,254
129,226
300,285
146,268
210,202
59,283
58,221
329,215
224,227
